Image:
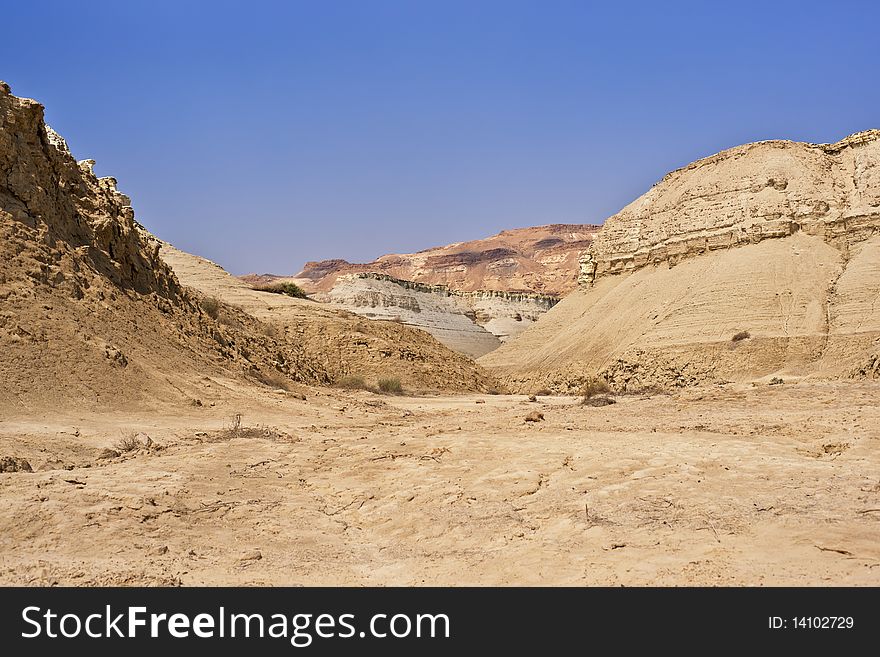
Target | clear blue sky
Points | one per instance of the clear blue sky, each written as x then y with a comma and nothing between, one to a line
262,134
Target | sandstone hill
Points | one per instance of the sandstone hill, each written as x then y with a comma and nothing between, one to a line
91,316
761,261
345,344
541,259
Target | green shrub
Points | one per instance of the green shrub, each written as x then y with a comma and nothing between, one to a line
288,289
391,386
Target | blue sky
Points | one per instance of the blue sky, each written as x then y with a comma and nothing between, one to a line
263,134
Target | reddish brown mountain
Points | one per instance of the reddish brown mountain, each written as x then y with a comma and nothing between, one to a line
542,259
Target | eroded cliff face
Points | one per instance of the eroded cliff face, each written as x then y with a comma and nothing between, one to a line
89,313
764,190
472,323
44,189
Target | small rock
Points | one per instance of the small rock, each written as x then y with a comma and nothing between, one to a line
159,551
108,454
256,555
480,401
535,416
532,398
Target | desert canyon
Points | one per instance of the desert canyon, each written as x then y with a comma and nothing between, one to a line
688,393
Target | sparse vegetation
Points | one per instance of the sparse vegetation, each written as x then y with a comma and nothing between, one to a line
742,335
286,288
776,381
273,379
132,441
599,400
352,383
391,386
211,305
237,429
595,386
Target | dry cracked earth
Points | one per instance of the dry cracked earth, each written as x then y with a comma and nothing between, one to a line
734,484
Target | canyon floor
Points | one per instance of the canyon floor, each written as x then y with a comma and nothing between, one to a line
722,485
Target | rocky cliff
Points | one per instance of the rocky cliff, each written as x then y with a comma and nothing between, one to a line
761,261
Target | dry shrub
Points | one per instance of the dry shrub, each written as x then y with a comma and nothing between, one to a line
776,381
273,379
211,305
352,383
238,430
742,335
391,386
595,386
647,390
599,400
132,441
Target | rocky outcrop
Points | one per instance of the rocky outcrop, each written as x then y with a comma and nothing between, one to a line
472,323
541,259
765,190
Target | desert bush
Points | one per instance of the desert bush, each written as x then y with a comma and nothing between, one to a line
288,289
647,390
391,386
776,381
352,383
211,305
131,441
272,378
742,335
593,387
598,400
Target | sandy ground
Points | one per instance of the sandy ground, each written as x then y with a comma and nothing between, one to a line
720,486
